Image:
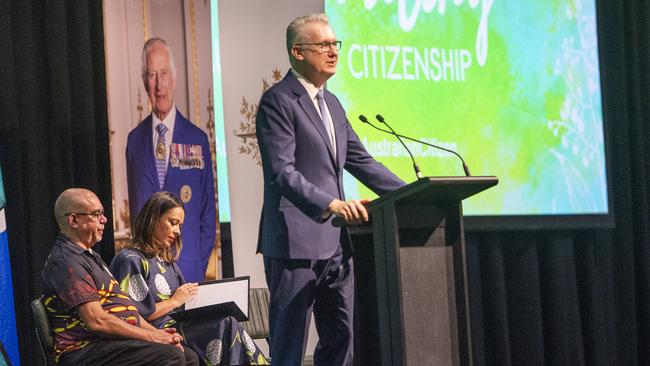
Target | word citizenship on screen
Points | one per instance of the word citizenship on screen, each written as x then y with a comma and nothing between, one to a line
408,63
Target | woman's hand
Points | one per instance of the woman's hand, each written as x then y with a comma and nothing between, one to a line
180,296
184,293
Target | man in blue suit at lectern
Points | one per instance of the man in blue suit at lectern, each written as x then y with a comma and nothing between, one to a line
306,141
167,152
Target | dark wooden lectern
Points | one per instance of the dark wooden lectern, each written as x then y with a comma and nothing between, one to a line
411,276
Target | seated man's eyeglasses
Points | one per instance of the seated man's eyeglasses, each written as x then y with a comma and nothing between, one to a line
95,214
324,46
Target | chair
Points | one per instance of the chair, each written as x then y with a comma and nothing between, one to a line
257,325
43,331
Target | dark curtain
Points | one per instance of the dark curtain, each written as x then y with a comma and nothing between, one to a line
53,132
580,297
567,297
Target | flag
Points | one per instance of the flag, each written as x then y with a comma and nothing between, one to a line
8,334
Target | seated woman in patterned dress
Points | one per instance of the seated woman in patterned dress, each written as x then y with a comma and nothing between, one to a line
147,271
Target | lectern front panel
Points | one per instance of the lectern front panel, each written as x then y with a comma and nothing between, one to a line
427,314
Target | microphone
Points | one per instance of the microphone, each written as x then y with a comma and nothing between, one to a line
418,173
381,119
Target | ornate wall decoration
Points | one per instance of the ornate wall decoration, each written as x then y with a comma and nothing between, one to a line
139,107
195,65
209,125
246,129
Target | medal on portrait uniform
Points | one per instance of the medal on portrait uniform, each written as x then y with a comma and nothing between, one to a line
186,193
186,156
161,150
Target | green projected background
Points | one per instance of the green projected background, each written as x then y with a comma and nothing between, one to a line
513,86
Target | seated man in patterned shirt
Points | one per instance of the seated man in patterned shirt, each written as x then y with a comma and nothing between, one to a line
94,322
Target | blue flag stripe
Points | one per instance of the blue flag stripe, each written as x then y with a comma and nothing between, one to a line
8,334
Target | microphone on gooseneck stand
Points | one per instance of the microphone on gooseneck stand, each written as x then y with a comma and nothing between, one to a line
392,132
418,173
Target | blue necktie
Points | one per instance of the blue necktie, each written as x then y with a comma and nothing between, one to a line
327,119
161,154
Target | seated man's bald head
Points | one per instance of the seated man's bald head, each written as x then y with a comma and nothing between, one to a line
71,200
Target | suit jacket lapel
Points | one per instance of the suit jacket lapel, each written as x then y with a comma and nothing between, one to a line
308,106
148,155
339,120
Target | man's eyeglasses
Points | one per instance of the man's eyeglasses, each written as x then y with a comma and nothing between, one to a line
95,214
323,47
